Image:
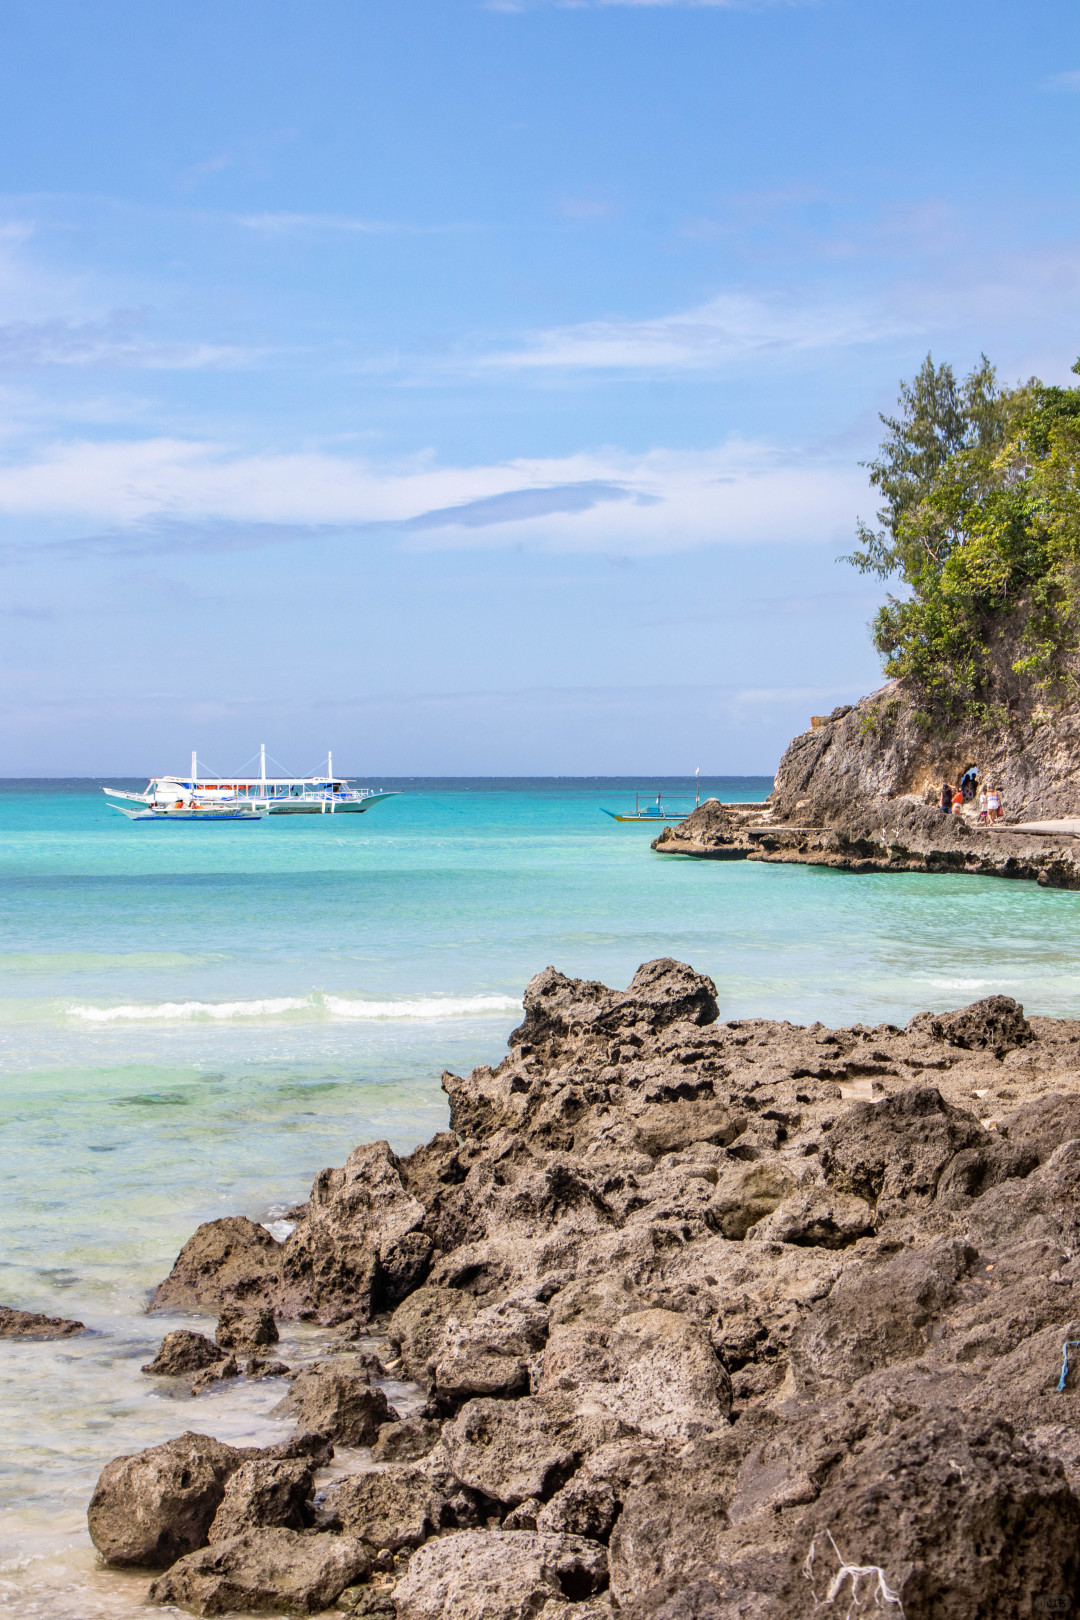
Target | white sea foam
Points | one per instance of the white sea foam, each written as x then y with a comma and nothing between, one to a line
317,1005
422,1007
265,1007
963,984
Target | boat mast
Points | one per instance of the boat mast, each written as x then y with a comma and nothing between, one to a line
194,763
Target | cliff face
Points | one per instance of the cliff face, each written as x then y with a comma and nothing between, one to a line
877,751
861,791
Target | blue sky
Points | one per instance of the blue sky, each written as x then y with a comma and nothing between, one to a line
481,388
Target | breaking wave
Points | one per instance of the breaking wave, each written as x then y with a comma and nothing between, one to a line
318,1005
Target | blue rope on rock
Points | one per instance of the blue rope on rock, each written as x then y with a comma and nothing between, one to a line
1070,1344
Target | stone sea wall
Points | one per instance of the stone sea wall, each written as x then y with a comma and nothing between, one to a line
703,1320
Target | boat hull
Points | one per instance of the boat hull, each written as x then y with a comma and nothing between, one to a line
298,807
204,817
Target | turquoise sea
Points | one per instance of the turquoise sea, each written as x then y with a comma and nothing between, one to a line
195,1019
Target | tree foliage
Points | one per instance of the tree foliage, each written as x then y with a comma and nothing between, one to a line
981,522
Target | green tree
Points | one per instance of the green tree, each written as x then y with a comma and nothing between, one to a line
939,417
981,522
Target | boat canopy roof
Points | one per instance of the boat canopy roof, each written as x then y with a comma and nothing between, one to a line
254,781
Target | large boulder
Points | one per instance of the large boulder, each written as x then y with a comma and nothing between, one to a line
893,1153
1041,1126
661,993
417,1326
996,1024
183,1352
672,1525
746,1193
151,1508
406,1441
654,1370
496,1575
264,1493
817,1218
398,1507
339,1403
264,1572
229,1261
960,1518
669,1127
359,1249
514,1450
879,1311
489,1352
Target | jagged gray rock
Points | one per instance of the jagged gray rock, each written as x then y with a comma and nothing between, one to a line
228,1261
397,1508
498,1576
16,1324
673,1291
338,1402
265,1493
246,1329
151,1508
264,1571
183,1352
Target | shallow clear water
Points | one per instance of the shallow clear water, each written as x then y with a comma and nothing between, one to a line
195,1019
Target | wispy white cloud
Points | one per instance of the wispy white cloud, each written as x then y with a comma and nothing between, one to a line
294,224
67,343
1068,81
177,495
732,324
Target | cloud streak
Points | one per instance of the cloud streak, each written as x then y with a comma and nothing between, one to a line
25,344
729,326
296,224
175,496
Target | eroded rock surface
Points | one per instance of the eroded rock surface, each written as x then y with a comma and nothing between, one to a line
338,1402
184,1352
861,791
264,1572
16,1324
265,1493
498,1576
152,1508
687,1297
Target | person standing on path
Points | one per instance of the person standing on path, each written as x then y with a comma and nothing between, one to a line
946,798
982,807
958,803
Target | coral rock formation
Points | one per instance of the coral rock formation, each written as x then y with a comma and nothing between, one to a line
710,1317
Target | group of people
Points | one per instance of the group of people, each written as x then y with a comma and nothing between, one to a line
953,799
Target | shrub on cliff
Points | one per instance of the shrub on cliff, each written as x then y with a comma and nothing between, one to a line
982,522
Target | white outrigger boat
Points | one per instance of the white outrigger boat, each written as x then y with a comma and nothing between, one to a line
212,798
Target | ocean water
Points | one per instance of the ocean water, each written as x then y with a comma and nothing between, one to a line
195,1019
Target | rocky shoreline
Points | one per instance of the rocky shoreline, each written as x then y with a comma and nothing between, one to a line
860,792
705,1320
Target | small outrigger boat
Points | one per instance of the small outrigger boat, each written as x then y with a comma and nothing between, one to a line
211,798
654,811
191,809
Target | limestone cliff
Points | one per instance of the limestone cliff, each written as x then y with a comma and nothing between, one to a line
861,789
